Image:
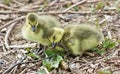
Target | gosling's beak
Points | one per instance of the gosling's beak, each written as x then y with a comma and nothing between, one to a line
33,28
54,45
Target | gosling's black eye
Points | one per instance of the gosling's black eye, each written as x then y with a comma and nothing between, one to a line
29,23
54,37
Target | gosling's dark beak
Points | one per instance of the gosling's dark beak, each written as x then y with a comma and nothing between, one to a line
54,45
33,28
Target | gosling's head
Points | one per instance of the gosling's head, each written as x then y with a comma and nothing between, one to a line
32,21
55,36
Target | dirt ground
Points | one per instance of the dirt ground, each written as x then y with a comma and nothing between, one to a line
103,13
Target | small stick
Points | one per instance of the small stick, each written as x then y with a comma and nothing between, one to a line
20,11
73,12
69,2
6,7
19,63
23,46
7,35
39,2
51,4
12,66
22,17
54,12
18,3
23,71
3,46
78,3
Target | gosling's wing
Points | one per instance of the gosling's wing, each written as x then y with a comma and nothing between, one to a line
49,21
89,37
83,31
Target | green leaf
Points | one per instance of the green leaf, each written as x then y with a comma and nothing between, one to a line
102,51
99,5
57,50
28,49
6,2
33,55
56,61
108,44
99,51
49,52
104,72
43,70
76,8
94,49
52,62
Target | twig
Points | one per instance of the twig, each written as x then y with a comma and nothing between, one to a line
2,34
55,12
31,5
109,34
22,17
12,66
3,46
6,7
20,11
28,7
38,2
65,3
115,70
51,4
23,46
73,12
18,3
7,35
23,71
92,1
15,69
69,2
78,3
19,63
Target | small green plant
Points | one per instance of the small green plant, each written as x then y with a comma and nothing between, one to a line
54,61
107,44
104,72
6,2
43,70
99,51
32,54
99,5
76,8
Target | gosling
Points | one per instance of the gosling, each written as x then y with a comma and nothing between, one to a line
80,38
37,28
